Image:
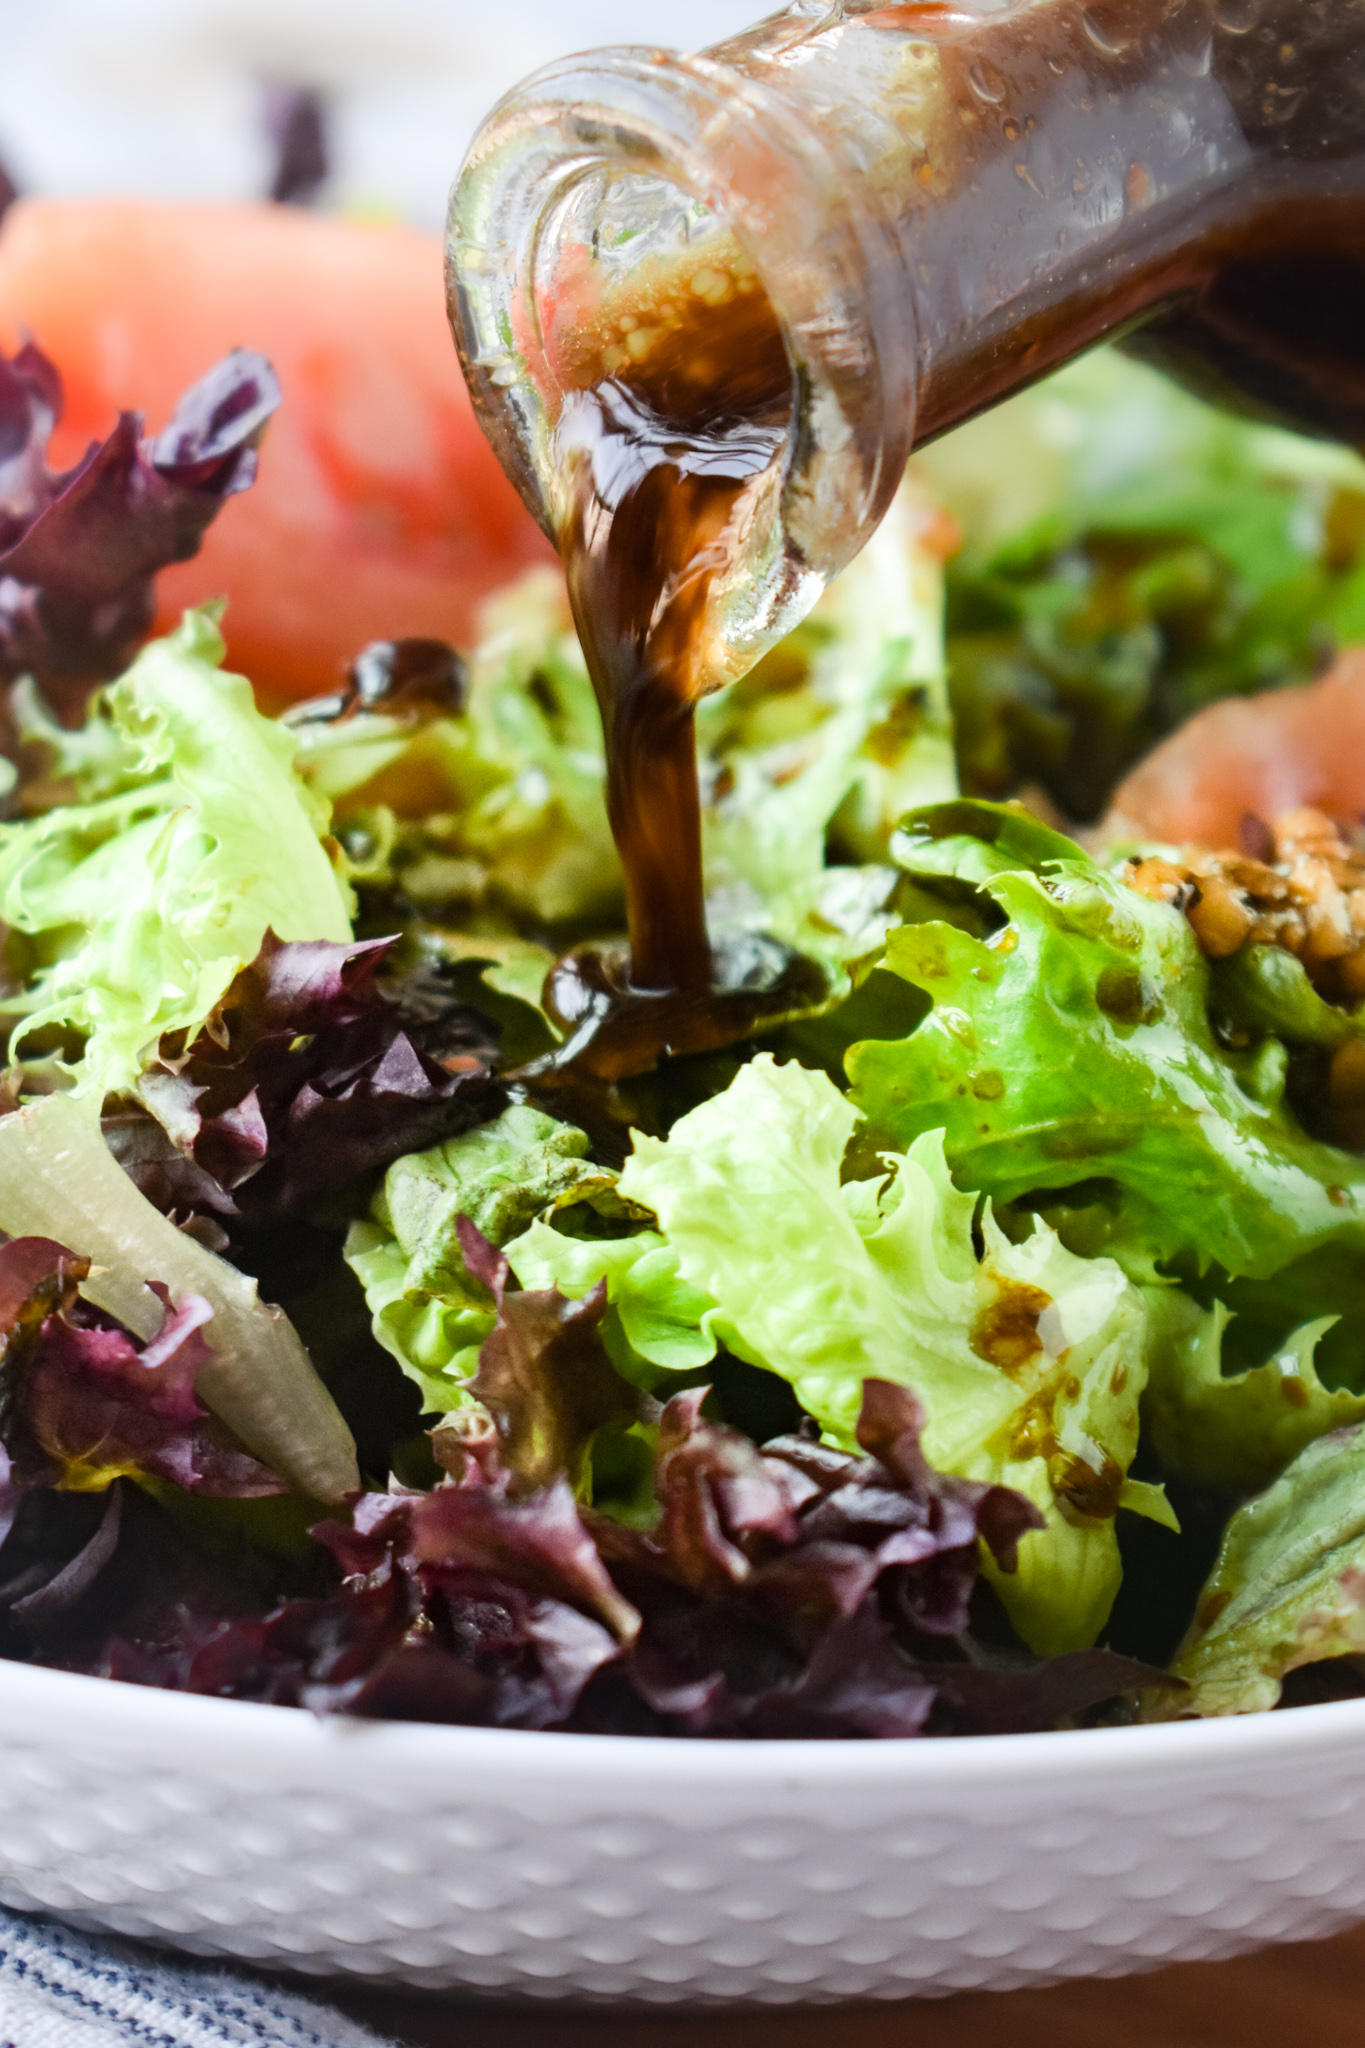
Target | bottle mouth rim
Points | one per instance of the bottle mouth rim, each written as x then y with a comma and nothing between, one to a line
730,141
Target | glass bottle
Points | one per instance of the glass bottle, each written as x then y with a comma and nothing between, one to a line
938,202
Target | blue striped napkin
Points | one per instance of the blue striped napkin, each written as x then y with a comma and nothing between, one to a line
60,1990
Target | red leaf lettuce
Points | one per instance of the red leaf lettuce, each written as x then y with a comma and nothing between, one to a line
786,1591
305,1075
79,548
82,1402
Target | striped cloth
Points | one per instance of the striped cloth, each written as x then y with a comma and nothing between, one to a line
60,1990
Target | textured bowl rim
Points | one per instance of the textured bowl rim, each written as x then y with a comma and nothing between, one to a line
45,1708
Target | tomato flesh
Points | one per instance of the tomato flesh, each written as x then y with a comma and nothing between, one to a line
379,510
1260,755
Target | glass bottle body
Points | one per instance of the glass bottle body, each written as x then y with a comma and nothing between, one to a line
940,202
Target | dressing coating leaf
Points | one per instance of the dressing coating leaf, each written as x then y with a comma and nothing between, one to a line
1069,1057
498,813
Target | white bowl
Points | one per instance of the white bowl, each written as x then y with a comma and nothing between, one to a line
609,1868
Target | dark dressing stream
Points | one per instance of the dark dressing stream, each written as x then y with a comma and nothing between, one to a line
662,458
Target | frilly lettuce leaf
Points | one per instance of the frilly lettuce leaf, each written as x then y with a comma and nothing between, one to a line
497,813
1108,442
80,548
429,1311
838,731
87,1405
1236,1431
310,1074
544,1382
131,913
1069,1053
1266,991
1029,1360
1288,1588
655,1317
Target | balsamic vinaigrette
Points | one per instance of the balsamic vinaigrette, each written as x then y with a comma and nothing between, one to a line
663,456
1063,201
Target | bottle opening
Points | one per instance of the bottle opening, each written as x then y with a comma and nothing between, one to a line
652,219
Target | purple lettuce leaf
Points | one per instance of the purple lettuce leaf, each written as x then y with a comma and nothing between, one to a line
460,1605
1024,1696
788,1591
74,1564
82,1402
305,1076
544,1377
79,549
296,124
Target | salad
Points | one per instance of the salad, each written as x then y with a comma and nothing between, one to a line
979,1346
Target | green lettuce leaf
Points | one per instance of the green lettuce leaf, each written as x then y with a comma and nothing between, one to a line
1288,1588
428,1310
130,913
59,1180
1070,1060
1239,1430
834,734
1266,991
1028,1359
493,816
655,1318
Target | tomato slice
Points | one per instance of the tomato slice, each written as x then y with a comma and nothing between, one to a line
380,509
1260,755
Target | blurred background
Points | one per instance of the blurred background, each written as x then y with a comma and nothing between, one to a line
1127,556
164,97
141,145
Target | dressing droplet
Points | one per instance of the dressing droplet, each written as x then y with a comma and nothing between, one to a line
986,82
1105,39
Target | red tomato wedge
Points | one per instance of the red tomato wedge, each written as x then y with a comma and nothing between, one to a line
1264,755
380,510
